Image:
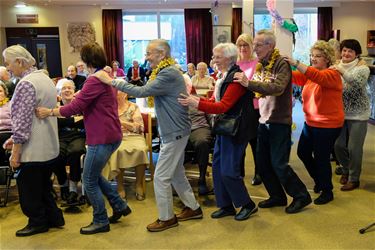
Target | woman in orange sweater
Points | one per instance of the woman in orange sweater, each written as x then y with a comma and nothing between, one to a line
324,115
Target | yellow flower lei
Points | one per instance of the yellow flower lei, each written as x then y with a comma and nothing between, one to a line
4,101
162,64
265,76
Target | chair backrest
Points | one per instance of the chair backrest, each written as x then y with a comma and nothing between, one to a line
147,121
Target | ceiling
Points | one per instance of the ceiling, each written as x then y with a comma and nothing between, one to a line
161,3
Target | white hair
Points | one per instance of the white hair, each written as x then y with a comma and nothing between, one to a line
60,83
229,51
15,52
162,46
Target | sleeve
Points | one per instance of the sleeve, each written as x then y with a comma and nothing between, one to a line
298,78
231,96
160,86
328,78
89,93
129,73
283,74
356,77
23,108
138,120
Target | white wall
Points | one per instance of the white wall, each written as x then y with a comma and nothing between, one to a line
353,20
56,16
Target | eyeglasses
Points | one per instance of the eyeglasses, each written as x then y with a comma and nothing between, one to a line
257,45
149,53
217,57
316,56
245,45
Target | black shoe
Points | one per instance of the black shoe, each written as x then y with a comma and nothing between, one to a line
272,203
64,193
72,198
256,180
31,230
339,170
203,189
317,190
117,215
222,212
95,228
297,205
245,213
324,198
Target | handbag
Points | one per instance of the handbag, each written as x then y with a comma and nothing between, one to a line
226,124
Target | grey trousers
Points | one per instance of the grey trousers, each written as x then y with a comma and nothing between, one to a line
349,148
169,171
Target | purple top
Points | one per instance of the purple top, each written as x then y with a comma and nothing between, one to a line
97,101
23,108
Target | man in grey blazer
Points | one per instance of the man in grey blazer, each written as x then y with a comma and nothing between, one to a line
174,129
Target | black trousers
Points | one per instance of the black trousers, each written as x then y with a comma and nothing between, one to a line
70,155
34,189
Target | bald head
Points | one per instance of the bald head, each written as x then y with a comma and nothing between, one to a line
72,71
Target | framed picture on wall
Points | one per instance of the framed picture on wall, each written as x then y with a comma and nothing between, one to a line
221,34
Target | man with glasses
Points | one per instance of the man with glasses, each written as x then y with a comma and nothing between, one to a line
166,84
272,82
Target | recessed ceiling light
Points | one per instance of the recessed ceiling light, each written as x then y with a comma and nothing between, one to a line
20,5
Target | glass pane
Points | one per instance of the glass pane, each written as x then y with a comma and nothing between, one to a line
138,30
262,21
172,29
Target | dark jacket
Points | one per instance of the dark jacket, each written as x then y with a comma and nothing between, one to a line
248,123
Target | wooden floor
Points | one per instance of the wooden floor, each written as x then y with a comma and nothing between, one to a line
332,226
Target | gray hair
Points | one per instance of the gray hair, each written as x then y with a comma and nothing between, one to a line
269,36
15,52
162,46
229,51
61,83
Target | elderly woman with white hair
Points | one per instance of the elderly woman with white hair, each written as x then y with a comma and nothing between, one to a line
233,100
34,143
201,80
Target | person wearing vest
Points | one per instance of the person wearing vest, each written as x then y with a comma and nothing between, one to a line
34,143
272,82
97,102
229,98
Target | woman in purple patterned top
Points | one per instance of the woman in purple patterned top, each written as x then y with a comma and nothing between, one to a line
34,143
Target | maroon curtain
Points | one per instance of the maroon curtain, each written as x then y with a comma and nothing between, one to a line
198,29
112,35
236,23
324,23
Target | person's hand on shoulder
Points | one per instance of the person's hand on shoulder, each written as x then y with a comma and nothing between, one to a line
104,77
241,78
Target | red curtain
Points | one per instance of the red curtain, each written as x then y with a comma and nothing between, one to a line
324,23
112,35
236,23
198,29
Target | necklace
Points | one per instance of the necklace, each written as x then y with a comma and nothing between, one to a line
264,74
3,102
162,64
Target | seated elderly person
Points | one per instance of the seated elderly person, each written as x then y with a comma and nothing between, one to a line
5,121
202,81
5,77
77,79
81,69
72,140
136,74
116,70
132,151
201,141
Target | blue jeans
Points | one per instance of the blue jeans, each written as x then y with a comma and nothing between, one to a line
314,149
96,185
273,150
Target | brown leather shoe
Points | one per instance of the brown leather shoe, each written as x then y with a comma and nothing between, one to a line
188,214
160,225
344,179
350,186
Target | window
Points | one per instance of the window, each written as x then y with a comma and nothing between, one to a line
306,35
140,28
